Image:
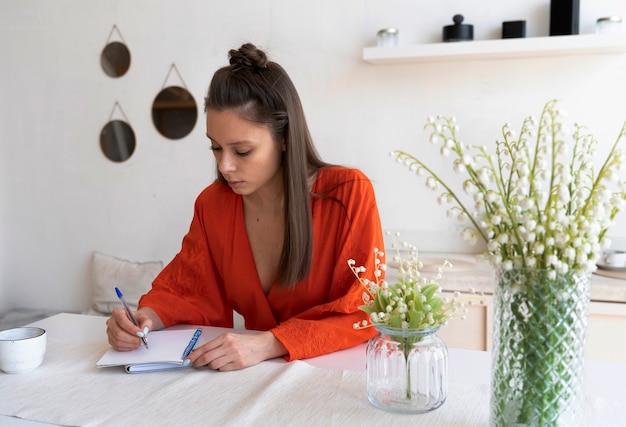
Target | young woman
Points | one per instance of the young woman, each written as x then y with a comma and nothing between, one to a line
270,238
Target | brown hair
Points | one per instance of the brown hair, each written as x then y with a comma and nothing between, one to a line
262,92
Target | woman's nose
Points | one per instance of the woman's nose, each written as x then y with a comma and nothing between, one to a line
226,164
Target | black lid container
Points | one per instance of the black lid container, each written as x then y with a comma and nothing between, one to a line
458,32
564,17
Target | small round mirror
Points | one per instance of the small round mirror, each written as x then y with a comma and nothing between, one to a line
117,141
174,112
115,59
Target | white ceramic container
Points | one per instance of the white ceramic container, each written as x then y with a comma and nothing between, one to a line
22,349
613,258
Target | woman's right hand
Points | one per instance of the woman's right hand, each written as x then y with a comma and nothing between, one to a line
124,335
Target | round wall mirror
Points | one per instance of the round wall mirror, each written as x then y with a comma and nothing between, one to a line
115,59
117,140
174,112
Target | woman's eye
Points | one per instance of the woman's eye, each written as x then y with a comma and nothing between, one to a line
239,153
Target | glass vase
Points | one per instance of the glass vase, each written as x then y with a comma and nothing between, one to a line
540,327
407,370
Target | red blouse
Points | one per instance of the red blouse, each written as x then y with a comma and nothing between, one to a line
214,273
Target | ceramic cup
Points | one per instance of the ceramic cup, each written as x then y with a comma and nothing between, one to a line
614,258
22,349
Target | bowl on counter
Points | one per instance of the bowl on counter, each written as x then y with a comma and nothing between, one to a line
612,259
22,349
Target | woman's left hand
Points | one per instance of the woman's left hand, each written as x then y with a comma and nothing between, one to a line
231,351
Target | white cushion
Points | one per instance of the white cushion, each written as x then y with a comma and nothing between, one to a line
133,278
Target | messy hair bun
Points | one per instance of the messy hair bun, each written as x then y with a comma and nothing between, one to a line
248,56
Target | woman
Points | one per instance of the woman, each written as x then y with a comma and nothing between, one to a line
270,238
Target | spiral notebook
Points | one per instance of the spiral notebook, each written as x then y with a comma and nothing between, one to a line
167,350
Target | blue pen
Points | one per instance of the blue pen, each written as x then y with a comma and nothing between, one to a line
129,313
192,343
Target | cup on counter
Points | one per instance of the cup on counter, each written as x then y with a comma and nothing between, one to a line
614,258
22,349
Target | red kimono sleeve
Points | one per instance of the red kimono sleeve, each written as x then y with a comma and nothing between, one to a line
189,290
346,226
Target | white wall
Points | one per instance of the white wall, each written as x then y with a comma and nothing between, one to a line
61,198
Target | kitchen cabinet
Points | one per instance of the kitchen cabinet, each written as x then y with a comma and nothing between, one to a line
472,333
606,334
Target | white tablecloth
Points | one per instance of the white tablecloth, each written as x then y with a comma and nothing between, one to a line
68,389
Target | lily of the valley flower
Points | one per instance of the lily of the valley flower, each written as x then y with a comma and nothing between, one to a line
539,201
414,301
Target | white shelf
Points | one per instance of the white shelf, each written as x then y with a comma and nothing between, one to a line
498,49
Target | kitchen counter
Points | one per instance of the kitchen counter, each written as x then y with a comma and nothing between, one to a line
472,271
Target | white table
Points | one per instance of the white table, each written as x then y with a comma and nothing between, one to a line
326,390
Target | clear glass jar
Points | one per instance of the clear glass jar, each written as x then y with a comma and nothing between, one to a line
387,37
407,371
609,25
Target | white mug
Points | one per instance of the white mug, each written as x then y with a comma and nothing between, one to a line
22,349
614,258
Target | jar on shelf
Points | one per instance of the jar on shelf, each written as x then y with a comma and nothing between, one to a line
387,37
407,370
609,25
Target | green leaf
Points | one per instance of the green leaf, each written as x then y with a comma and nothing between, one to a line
418,303
380,301
429,290
436,304
368,309
417,317
395,322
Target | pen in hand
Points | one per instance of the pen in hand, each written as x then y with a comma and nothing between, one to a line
129,313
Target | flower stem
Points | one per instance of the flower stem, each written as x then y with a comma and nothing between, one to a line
406,348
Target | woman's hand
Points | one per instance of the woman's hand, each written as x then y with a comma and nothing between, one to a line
231,351
124,335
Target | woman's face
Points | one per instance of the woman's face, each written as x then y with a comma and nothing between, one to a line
247,156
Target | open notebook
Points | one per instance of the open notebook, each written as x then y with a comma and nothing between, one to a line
167,350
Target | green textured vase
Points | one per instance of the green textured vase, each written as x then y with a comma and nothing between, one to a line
540,328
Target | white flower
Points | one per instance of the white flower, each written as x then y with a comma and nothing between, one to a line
443,199
431,183
459,167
